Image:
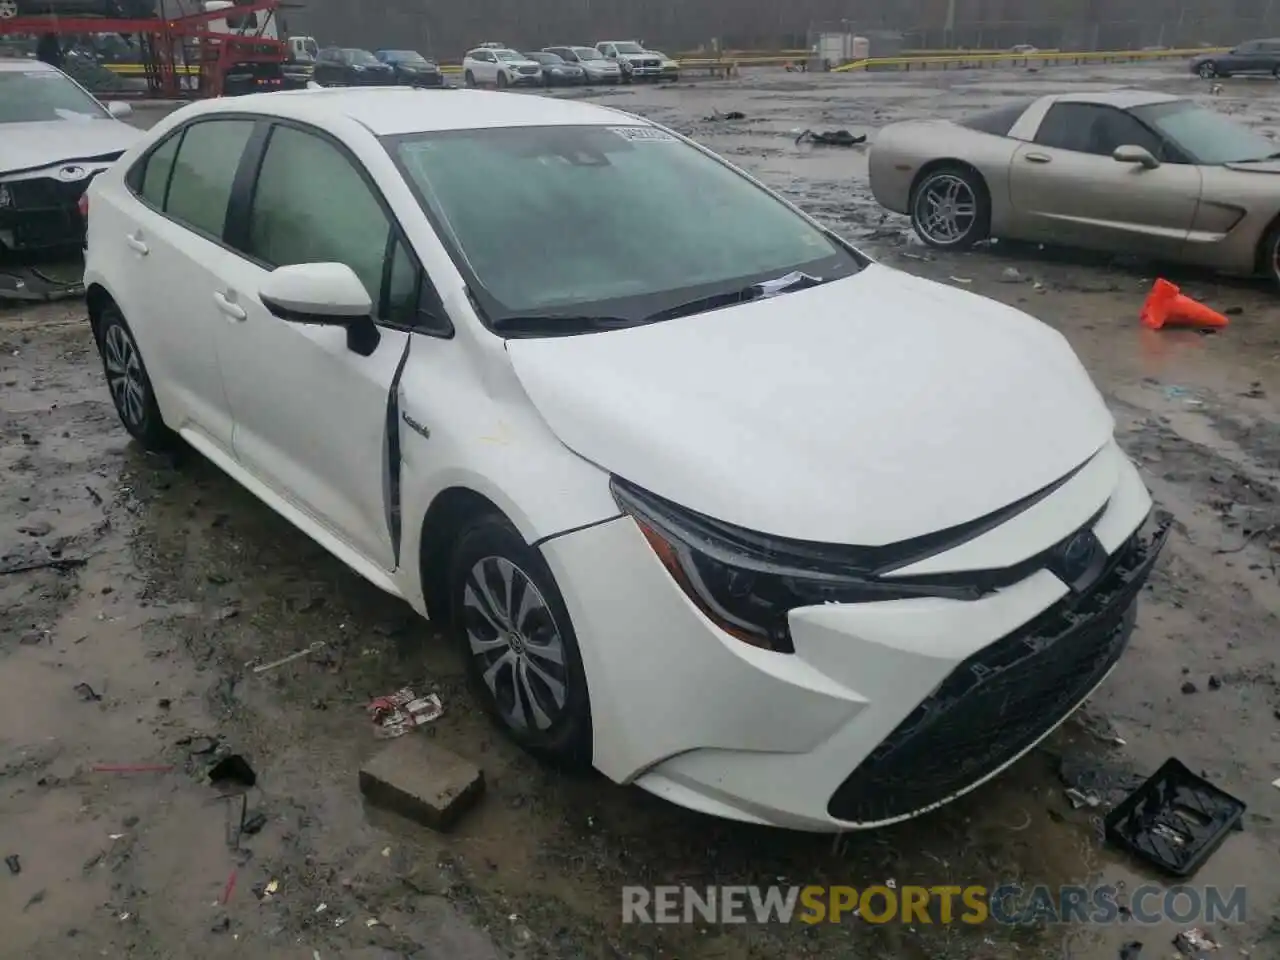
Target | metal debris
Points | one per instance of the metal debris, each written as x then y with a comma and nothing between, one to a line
402,711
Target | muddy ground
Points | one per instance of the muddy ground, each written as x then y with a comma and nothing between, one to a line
138,652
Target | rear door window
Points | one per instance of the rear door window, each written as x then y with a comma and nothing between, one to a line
200,185
154,184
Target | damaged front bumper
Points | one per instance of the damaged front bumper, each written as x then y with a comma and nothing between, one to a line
39,209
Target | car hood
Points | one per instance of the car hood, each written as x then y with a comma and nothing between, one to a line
606,65
414,67
29,146
865,411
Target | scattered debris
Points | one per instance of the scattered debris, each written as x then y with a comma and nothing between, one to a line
198,746
254,823
1276,783
297,655
37,897
87,693
1249,539
1175,820
1194,942
1255,391
270,889
397,714
232,771
832,138
54,563
1080,799
1215,683
133,768
1012,275
731,115
960,279
229,888
422,781
13,863
1131,950
1189,687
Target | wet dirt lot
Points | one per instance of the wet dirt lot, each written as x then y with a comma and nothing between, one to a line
137,653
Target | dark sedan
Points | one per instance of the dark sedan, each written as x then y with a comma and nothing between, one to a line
1252,56
412,68
349,67
556,72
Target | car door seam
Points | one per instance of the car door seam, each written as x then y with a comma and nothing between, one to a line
394,463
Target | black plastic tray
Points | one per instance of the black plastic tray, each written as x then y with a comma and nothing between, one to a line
1175,820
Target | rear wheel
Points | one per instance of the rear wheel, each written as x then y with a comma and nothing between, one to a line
520,649
1208,70
950,208
1269,254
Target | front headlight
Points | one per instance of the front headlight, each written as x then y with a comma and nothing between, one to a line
747,583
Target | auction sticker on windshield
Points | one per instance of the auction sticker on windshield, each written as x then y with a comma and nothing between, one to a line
639,134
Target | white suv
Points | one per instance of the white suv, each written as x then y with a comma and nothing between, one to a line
705,497
500,68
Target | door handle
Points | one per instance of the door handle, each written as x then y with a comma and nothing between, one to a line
135,243
232,310
1037,157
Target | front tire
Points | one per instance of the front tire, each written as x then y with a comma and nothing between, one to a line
520,649
469,79
1207,70
502,81
129,383
951,209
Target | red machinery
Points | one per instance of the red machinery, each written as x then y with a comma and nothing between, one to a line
211,54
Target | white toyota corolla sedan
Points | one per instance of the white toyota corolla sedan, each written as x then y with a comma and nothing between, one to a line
709,499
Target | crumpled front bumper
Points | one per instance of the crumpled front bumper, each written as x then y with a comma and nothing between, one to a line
40,212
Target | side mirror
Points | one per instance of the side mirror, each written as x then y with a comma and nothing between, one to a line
326,295
119,109
1131,153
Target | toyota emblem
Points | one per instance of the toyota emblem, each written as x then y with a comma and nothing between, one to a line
71,173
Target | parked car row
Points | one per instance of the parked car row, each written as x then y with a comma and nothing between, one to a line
608,62
353,67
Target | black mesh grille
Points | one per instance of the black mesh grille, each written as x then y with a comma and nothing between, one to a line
1004,697
44,212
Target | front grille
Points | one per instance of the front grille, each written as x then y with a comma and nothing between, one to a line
530,70
43,212
45,193
1004,697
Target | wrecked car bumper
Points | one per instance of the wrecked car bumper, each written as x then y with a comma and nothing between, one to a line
886,710
41,212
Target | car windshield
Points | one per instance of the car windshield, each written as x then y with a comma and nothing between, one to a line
547,58
35,95
1206,136
508,55
362,58
588,53
628,48
601,221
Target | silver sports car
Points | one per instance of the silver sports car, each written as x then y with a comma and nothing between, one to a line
1126,171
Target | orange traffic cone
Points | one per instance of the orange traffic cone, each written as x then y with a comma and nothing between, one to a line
1166,306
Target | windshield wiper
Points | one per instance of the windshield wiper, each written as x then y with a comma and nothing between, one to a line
559,324
757,291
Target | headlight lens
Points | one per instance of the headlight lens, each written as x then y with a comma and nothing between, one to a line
746,582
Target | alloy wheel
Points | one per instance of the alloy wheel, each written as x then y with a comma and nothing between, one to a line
8,9
124,374
1207,71
946,209
512,633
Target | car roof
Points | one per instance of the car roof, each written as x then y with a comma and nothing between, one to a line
395,110
1122,99
26,66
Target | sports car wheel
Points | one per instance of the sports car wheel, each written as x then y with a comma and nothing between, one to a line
518,643
950,208
1269,254
8,9
1208,70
